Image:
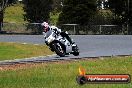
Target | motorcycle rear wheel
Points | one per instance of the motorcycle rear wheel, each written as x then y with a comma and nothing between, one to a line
75,50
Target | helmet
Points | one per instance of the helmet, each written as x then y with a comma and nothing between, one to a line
45,26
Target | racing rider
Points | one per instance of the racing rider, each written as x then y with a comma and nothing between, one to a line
47,27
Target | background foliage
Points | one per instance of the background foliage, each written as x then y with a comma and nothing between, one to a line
122,10
77,11
37,10
86,12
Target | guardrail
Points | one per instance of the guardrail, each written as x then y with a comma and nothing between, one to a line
22,28
35,28
96,29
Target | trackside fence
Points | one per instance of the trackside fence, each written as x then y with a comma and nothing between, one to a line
35,28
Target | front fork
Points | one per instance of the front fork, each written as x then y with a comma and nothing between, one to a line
50,47
46,43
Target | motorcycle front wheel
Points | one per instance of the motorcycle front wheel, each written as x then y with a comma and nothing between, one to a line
58,48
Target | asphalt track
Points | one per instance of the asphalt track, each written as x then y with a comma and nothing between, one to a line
89,45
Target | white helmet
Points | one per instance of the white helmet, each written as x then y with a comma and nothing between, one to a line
46,26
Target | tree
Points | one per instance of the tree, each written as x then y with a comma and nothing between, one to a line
130,11
56,5
122,9
3,4
12,1
77,11
37,10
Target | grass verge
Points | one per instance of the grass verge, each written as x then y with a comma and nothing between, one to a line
9,51
63,74
14,13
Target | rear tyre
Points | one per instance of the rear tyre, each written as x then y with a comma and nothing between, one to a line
75,50
58,48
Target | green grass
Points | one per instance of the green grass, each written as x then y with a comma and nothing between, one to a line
63,74
9,51
14,13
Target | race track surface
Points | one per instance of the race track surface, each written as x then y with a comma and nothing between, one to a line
89,45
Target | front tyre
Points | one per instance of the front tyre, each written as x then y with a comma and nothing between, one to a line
58,48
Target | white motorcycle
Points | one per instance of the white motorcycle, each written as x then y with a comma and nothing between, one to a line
60,45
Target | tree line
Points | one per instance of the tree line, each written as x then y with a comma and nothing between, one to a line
81,12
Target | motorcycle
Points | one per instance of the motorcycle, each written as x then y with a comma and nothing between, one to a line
60,45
